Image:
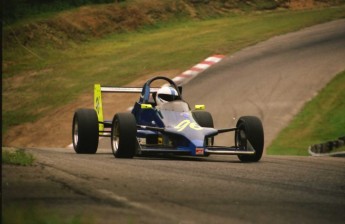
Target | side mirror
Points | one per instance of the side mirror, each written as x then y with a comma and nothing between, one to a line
180,89
146,106
199,107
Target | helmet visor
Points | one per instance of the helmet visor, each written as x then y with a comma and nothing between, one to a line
167,97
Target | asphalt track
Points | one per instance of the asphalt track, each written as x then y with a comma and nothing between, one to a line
271,80
217,189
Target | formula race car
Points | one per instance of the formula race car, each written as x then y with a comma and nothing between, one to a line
161,122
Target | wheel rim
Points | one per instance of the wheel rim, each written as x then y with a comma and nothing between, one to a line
115,137
75,133
241,139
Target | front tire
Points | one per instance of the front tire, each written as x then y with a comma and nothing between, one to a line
250,134
85,131
204,119
123,135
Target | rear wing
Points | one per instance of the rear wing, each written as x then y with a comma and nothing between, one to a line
98,106
109,89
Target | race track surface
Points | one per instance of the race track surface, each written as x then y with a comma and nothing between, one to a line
271,80
217,189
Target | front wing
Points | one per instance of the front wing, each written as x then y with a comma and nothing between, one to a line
156,149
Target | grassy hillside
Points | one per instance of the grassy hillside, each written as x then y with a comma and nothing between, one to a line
49,62
41,22
322,119
16,10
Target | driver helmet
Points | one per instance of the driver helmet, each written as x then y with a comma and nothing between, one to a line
166,94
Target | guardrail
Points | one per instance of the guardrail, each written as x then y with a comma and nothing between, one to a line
327,148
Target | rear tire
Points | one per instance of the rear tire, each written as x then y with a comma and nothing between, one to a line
85,131
250,129
123,135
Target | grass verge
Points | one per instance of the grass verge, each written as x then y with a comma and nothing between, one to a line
40,79
321,119
33,214
17,157
340,149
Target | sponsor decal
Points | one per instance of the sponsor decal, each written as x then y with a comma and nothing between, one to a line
160,140
185,115
185,123
199,151
97,105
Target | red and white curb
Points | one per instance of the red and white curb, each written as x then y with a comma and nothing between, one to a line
187,75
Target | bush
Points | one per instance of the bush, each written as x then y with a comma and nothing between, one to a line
14,10
18,157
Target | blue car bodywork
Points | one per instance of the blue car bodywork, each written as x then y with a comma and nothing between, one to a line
172,128
168,128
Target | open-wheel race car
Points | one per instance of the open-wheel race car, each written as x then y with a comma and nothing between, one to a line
161,122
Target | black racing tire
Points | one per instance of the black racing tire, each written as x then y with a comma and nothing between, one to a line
250,129
123,135
204,119
85,131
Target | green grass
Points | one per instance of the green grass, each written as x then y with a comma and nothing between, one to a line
38,80
321,119
36,214
18,157
340,149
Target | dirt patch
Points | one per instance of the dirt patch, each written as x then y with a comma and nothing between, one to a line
301,4
54,130
95,21
308,4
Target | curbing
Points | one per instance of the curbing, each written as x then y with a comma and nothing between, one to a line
187,75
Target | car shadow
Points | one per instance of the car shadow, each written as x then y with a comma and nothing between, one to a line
190,158
170,157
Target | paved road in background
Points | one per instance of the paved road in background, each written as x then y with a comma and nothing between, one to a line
271,80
